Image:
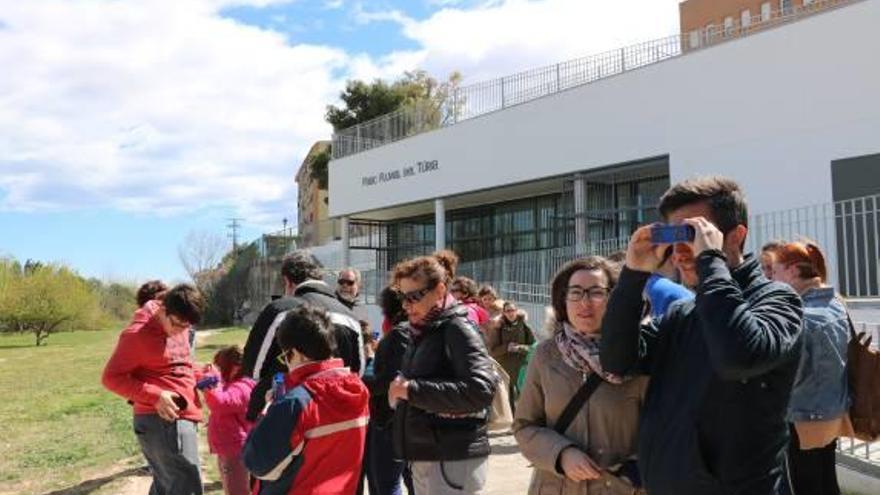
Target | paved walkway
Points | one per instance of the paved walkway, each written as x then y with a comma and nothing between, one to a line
509,472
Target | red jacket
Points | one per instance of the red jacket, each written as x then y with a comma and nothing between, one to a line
311,441
147,361
227,425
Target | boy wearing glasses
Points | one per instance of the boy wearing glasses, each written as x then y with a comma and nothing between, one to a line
721,366
311,438
152,367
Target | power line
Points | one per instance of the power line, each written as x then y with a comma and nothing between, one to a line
234,226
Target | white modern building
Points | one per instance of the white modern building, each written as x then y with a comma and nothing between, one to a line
575,155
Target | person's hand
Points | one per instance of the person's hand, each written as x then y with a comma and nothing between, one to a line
641,253
512,347
578,466
165,406
398,389
270,396
706,235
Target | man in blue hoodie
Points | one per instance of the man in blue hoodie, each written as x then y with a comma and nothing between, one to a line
721,365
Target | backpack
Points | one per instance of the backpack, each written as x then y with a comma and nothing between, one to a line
863,372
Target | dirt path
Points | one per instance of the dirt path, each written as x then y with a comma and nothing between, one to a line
508,473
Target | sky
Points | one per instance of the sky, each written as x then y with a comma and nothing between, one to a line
126,125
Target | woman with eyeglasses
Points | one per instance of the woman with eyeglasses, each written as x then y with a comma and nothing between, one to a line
595,453
509,342
445,386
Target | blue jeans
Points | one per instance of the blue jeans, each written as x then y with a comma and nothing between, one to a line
172,451
383,471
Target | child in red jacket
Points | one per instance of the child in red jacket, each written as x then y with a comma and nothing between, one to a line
227,398
311,438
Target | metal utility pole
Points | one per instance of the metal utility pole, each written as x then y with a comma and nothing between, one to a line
234,225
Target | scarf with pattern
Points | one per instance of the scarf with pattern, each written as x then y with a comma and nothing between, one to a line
581,352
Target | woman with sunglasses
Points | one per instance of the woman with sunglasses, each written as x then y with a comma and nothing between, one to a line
446,384
595,453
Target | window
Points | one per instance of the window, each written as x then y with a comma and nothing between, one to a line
710,32
728,26
694,38
785,7
745,18
765,11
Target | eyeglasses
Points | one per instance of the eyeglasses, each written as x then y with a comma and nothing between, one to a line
282,358
344,281
595,293
414,296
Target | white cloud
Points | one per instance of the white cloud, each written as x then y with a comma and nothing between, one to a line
158,106
496,38
165,106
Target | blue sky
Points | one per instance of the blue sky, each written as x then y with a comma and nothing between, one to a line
128,125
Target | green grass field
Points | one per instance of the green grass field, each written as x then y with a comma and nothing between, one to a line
62,432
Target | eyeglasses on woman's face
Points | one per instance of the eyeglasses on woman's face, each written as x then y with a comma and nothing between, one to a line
414,296
595,293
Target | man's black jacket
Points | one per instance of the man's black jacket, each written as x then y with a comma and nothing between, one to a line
452,384
261,350
721,367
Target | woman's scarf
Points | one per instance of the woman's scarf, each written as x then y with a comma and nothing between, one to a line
432,315
581,352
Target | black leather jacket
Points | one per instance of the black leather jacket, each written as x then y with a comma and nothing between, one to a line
721,367
452,383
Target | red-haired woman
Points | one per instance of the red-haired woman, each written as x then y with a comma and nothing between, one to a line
446,385
820,397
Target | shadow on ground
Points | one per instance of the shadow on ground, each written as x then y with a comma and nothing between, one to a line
89,486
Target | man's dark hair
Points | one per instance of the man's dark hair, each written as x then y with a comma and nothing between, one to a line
186,302
723,195
391,305
307,329
300,266
149,291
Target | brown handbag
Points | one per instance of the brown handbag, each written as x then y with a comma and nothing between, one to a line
863,371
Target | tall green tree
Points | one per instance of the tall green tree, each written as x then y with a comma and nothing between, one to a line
365,101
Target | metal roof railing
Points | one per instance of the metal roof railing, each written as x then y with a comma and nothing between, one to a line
467,102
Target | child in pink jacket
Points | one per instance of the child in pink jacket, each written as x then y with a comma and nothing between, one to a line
227,399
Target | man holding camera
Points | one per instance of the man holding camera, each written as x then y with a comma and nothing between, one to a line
721,365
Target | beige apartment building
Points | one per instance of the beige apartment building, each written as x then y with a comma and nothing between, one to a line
315,228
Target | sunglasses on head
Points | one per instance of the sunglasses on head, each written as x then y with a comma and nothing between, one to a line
414,296
345,281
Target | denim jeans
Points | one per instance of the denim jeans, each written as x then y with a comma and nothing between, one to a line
172,451
383,471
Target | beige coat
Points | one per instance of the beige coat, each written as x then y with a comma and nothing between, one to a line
606,428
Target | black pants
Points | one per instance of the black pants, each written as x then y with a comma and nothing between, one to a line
812,471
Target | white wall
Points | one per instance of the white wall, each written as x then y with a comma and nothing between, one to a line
771,110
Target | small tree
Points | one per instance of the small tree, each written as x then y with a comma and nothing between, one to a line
48,299
200,254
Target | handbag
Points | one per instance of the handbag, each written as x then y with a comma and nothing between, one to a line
500,414
614,480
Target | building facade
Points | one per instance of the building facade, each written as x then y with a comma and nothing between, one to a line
578,168
315,228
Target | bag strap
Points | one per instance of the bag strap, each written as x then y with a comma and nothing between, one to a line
577,402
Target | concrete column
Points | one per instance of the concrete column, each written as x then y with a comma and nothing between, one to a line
580,214
439,224
346,251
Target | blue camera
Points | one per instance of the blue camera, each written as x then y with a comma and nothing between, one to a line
672,234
